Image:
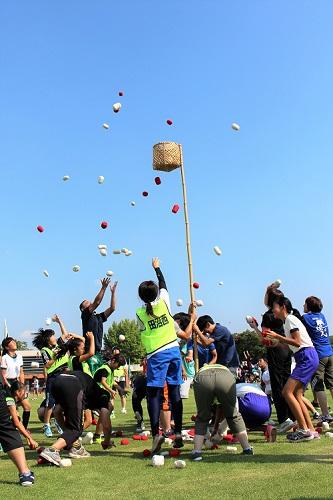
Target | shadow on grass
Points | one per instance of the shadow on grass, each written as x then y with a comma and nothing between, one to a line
8,482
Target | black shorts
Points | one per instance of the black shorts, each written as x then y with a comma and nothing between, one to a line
10,438
122,385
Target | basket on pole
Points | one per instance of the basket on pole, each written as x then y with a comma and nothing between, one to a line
168,156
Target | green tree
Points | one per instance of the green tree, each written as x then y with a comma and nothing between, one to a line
249,341
131,347
22,345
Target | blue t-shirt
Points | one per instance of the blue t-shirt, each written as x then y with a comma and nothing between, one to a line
204,353
317,328
225,345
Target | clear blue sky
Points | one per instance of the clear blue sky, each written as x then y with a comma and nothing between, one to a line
264,194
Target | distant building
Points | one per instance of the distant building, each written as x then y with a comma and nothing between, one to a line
32,365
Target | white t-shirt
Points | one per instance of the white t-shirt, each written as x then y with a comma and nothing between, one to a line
243,389
12,366
292,324
267,381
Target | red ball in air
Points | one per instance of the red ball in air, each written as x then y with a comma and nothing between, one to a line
104,224
146,453
40,229
136,437
145,194
158,181
121,93
169,122
196,285
124,442
174,453
144,438
175,209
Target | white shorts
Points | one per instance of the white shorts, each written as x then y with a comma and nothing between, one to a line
185,388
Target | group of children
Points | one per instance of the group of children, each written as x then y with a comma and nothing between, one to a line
82,382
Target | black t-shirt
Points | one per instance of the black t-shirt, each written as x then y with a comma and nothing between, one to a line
95,397
99,374
268,321
77,365
92,322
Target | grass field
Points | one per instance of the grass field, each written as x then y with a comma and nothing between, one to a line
276,471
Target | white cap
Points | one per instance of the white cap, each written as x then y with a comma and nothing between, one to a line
217,250
76,269
235,126
100,179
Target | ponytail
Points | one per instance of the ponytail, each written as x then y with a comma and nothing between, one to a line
149,309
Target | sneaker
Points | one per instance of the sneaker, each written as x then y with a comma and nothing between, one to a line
316,416
78,453
27,479
248,451
178,441
157,444
196,456
326,418
124,411
97,438
285,426
58,428
47,431
301,435
140,425
51,455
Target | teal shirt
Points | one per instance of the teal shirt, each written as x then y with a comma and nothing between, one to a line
189,367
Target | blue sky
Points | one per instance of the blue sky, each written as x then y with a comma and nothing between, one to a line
264,194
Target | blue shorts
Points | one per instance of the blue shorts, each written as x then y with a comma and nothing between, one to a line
255,409
307,362
165,367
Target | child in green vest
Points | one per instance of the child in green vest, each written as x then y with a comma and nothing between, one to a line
164,365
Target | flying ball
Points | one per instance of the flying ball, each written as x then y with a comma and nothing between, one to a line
157,181
121,338
179,302
109,273
196,285
48,321
199,303
121,93
175,209
133,203
235,126
104,224
100,179
40,229
101,246
116,252
103,252
169,122
217,250
46,274
145,194
221,283
128,253
277,283
116,107
35,364
124,250
76,269
106,126
66,178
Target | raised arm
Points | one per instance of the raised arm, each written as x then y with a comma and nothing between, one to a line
99,297
112,307
64,333
159,274
91,352
205,340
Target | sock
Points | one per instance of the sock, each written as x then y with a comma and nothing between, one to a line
25,419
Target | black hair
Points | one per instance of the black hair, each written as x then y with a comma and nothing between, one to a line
183,318
42,338
272,294
203,320
72,345
148,292
16,386
314,304
283,301
5,343
118,358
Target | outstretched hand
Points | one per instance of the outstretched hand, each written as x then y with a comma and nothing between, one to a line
156,262
113,286
105,282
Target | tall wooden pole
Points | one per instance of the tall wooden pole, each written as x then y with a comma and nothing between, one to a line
189,254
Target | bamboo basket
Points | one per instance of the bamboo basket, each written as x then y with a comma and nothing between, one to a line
167,156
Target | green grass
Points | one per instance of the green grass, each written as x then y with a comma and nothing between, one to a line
277,471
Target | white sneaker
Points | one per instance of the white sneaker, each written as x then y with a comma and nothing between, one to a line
124,411
286,426
78,453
